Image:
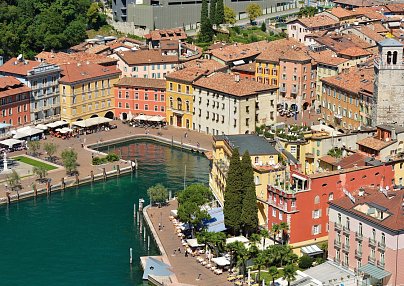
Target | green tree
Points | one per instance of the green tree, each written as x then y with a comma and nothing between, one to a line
214,240
284,228
206,31
69,159
157,194
219,12
305,262
260,261
289,273
249,214
335,152
190,201
275,230
239,254
274,272
233,195
34,147
50,149
95,18
212,12
264,234
229,15
324,248
263,27
40,171
307,12
253,11
14,181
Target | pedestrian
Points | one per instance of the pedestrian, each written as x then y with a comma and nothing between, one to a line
186,135
197,144
179,249
186,253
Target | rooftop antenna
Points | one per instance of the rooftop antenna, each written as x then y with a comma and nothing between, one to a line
20,57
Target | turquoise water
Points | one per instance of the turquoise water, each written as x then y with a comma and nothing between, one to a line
82,236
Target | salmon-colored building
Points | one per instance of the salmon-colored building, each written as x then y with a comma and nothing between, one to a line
14,96
135,96
303,204
367,235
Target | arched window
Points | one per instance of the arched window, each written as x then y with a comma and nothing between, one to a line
395,57
187,105
388,57
317,200
331,196
179,103
257,180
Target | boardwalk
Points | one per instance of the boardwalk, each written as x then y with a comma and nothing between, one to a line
84,155
186,269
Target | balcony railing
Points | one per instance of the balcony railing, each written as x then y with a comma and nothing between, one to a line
338,226
344,264
346,230
358,253
337,244
358,236
336,260
381,246
345,247
371,260
372,242
380,264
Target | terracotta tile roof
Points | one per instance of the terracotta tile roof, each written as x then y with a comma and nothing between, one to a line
374,143
359,3
239,51
287,49
97,49
327,57
169,45
249,68
352,81
77,72
372,13
80,57
130,40
141,57
10,85
396,7
169,34
142,82
340,12
354,52
218,45
338,172
359,42
18,67
351,161
80,47
317,21
378,28
369,33
226,83
393,204
116,45
195,69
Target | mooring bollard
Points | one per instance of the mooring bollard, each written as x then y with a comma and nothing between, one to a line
63,183
35,190
130,256
48,188
118,170
135,163
92,175
134,210
104,174
77,179
8,197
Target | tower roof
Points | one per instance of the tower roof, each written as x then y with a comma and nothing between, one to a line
390,43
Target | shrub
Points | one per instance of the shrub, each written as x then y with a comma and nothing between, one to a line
236,29
99,161
305,262
111,157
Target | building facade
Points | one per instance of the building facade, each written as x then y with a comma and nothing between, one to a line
367,234
87,91
14,96
43,79
135,96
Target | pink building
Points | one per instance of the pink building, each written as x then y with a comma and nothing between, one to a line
146,63
367,235
135,96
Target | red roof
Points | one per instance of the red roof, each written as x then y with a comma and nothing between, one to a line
142,82
169,34
10,85
13,66
77,72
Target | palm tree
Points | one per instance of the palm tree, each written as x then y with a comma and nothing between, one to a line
264,234
273,271
283,228
275,230
260,261
240,254
289,273
218,239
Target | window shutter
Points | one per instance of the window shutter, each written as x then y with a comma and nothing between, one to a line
312,229
319,213
319,228
312,214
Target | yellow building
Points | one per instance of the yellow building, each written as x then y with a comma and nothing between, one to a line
267,71
86,91
264,157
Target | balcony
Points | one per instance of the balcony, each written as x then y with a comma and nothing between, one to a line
294,90
371,260
380,264
337,260
345,265
381,246
337,226
358,254
345,247
372,242
337,244
282,89
346,230
358,236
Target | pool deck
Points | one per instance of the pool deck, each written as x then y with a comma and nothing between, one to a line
186,269
85,168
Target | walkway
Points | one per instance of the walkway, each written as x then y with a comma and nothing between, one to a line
84,155
186,269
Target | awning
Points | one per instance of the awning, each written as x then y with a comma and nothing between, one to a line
4,125
240,238
143,117
91,122
193,242
374,271
56,124
221,261
11,142
156,118
299,177
239,62
27,132
41,126
216,221
156,268
311,250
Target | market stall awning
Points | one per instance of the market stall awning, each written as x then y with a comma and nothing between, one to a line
42,126
156,118
221,261
91,122
311,250
4,125
193,242
240,238
374,271
143,117
27,132
56,124
11,142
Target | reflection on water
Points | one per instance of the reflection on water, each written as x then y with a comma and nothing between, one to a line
82,236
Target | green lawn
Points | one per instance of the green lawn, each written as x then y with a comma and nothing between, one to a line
34,163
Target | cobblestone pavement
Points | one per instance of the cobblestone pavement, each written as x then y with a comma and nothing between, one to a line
186,269
84,155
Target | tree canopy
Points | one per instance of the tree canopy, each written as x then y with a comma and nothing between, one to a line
229,15
253,11
30,26
69,158
158,193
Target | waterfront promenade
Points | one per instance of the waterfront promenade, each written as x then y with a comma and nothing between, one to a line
186,269
85,154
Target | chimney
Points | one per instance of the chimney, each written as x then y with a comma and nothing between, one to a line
393,134
236,77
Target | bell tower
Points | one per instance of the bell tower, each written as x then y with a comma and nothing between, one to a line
388,104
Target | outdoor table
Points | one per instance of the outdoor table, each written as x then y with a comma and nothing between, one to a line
240,276
238,283
231,278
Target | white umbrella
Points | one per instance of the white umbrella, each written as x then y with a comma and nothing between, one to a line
130,115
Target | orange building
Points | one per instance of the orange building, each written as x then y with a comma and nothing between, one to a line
14,96
135,96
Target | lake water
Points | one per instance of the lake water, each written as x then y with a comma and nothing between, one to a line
82,236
